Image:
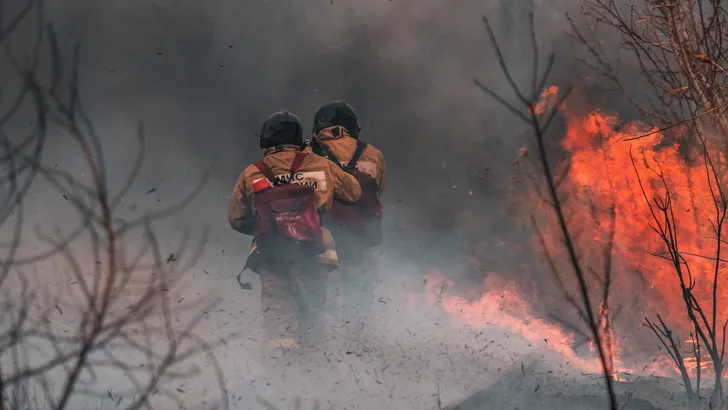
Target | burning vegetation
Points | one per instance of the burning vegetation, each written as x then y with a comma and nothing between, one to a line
630,224
628,188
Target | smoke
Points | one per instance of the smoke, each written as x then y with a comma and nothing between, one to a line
202,76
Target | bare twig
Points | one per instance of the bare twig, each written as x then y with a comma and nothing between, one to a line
539,126
111,311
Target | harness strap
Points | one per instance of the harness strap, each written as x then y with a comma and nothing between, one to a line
297,162
265,170
360,147
268,174
328,154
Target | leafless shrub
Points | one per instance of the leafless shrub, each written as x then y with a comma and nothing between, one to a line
117,295
709,333
680,53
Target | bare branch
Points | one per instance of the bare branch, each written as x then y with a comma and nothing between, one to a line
532,117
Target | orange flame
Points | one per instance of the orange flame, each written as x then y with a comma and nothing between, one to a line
606,159
503,305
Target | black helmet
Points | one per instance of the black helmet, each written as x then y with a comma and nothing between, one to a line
283,127
336,113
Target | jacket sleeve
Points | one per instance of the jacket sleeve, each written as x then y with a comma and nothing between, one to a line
382,183
346,187
240,214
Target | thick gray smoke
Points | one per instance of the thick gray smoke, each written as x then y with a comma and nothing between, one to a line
202,76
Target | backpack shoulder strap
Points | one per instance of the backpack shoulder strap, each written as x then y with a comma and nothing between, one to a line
265,170
297,162
360,147
317,147
328,154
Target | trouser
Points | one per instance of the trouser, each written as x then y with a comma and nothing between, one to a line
359,274
293,298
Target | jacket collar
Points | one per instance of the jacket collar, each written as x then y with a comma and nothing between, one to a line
284,148
331,133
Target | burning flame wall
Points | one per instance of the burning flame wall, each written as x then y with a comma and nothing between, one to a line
603,173
604,162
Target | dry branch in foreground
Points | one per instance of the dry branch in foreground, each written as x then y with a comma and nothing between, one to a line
710,330
582,300
118,292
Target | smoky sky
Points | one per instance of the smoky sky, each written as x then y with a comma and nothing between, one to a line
202,76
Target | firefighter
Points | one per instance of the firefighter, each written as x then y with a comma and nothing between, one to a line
357,231
280,200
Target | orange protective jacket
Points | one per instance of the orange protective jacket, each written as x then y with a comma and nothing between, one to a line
327,179
338,141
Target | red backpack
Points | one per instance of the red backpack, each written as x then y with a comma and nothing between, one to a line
287,212
363,217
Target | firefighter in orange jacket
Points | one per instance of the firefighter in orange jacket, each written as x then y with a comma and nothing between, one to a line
336,136
293,277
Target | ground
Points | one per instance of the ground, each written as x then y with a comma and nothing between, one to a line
409,354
